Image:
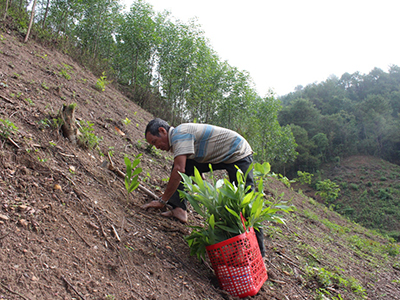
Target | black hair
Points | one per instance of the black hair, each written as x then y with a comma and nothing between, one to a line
154,124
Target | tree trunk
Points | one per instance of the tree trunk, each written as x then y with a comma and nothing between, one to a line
5,13
31,21
45,14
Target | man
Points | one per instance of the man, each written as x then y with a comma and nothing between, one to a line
198,145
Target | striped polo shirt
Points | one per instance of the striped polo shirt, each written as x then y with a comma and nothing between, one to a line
207,143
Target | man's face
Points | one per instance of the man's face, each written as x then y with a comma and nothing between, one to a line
160,142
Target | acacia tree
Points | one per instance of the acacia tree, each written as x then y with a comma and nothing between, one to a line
137,40
205,84
175,53
63,15
96,28
238,94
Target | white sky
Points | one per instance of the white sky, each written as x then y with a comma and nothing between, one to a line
285,43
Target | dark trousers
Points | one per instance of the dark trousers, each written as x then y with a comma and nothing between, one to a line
243,164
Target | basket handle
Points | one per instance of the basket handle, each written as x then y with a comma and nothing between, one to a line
243,220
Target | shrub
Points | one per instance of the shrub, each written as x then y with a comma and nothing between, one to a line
304,177
7,128
87,138
354,186
102,82
327,190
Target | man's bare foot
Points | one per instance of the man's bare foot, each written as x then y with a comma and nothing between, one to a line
178,213
153,204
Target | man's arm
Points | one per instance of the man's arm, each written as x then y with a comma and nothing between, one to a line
175,178
173,183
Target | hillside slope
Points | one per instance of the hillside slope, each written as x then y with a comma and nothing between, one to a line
369,192
68,230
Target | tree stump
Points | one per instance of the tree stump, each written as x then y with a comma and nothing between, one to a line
69,128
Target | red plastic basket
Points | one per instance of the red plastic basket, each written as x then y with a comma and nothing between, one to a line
238,264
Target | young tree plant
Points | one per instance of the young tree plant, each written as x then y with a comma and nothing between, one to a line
132,173
220,203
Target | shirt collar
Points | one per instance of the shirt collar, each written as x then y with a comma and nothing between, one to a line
170,131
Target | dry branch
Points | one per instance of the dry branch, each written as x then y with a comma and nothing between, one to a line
115,233
72,287
14,143
77,232
13,292
6,99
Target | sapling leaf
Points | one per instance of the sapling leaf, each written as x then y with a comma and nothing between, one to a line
230,229
132,178
137,171
211,221
232,212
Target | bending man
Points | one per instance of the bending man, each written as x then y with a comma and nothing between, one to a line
198,145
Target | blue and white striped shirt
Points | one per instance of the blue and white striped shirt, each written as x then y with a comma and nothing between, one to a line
208,143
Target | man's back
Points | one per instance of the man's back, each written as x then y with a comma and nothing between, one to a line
207,143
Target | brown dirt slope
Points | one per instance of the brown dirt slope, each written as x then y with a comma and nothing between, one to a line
68,230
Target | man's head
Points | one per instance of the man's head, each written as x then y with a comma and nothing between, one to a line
156,134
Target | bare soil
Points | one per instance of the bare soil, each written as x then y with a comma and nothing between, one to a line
68,229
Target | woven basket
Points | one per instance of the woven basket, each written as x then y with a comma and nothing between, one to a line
238,264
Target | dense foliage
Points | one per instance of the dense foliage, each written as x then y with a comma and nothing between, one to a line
223,204
351,115
166,66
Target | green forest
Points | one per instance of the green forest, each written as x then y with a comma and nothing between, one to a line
170,69
356,114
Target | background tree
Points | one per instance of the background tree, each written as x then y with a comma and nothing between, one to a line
136,48
30,21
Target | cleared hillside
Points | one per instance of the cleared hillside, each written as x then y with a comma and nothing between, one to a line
68,230
369,192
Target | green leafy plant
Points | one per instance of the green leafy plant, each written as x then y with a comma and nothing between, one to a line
42,160
65,74
57,122
7,128
126,121
102,82
29,100
221,205
44,85
87,137
132,173
304,177
286,181
111,151
327,278
154,151
328,190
